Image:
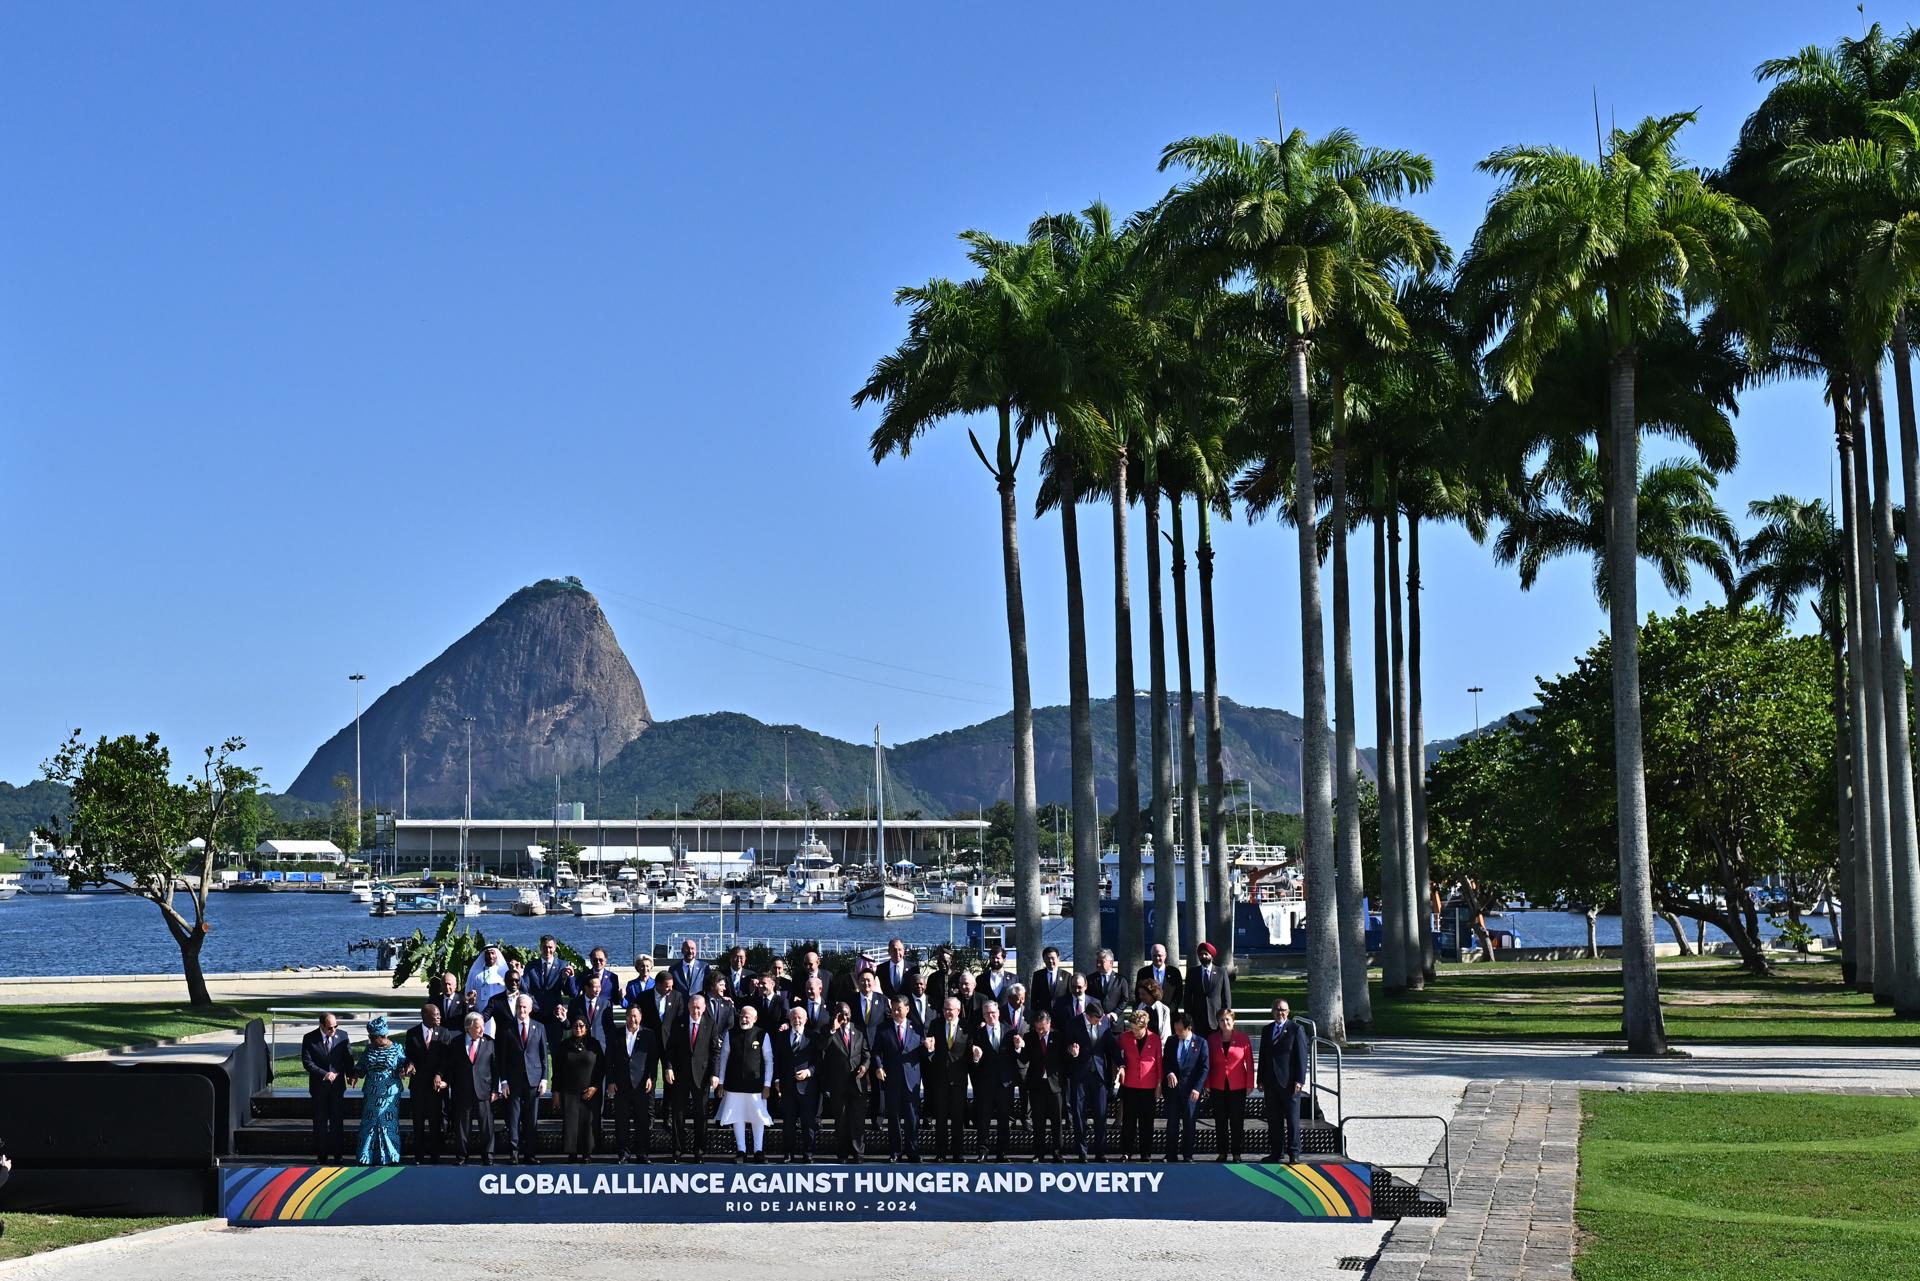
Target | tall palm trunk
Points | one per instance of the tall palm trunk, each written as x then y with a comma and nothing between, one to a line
1348,875
1880,820
1417,750
1843,798
1316,782
1393,941
1860,890
1026,830
1166,893
1219,882
1904,990
1906,865
1126,811
1644,1025
1407,887
1193,913
1086,811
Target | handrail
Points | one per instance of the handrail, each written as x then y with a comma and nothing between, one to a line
1445,1148
1314,1088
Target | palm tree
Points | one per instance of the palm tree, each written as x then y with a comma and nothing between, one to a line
1798,552
1621,238
1288,214
1682,527
1826,96
970,348
1860,200
1086,390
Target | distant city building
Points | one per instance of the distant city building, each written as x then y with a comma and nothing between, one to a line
281,851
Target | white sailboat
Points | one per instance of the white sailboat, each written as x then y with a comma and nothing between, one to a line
879,898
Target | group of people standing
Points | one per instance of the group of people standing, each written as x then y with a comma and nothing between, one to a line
715,1042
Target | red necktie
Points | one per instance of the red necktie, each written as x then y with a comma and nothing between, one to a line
473,1050
846,1040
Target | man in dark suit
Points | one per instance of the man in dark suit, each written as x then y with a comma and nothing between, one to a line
721,1008
781,980
900,1053
949,1064
1043,1053
1160,971
1048,984
662,1008
328,1058
996,1067
500,1006
1280,1069
870,1010
1185,1058
469,1077
844,1060
920,1006
1089,1053
632,1057
896,972
452,1004
1107,986
810,994
1207,992
422,1048
522,1044
941,976
810,968
734,977
690,972
597,967
693,1055
766,1003
973,1002
796,1073
549,981
997,981
1072,1007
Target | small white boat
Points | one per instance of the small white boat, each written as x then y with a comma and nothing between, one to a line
593,900
529,903
360,892
886,902
471,903
7,890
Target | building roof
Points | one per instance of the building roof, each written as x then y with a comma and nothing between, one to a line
278,846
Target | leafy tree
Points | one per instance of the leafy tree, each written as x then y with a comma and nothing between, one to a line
1739,737
126,814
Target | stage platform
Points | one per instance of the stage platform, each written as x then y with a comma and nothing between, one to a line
363,1196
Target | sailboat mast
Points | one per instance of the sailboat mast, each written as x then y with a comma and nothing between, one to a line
879,808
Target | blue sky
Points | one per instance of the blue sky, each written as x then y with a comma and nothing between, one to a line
323,329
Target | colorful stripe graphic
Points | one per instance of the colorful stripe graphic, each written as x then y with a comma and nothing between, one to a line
300,1193
1329,1191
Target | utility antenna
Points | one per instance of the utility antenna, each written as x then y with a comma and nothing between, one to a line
1599,148
1279,123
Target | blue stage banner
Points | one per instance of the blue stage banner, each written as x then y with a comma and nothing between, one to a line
367,1196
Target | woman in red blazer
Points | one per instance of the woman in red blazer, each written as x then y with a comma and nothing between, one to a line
1229,1077
1140,1076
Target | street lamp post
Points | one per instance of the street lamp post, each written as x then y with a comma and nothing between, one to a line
1476,691
356,678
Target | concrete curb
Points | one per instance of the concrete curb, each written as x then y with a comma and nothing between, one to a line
25,1266
192,1038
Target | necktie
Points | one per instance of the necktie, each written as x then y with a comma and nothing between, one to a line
1079,1005
846,1040
993,1036
473,1050
949,1031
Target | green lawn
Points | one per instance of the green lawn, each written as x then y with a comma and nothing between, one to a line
1705,1187
34,1233
13,863
50,1031
1705,1001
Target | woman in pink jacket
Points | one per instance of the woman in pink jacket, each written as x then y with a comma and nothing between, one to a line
1229,1077
1140,1075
